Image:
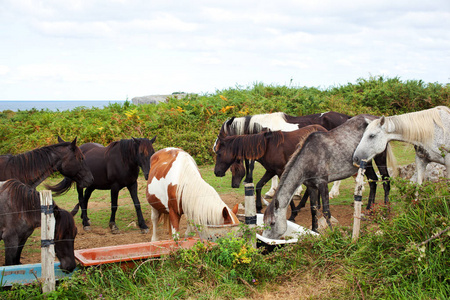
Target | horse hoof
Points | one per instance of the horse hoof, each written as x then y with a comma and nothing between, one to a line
87,228
114,228
145,230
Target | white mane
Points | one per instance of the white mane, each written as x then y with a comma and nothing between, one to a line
414,127
200,202
273,121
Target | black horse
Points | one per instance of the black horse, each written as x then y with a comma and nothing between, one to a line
33,167
20,214
114,167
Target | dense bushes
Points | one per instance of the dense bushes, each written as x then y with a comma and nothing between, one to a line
192,123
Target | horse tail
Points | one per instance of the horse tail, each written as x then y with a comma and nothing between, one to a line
62,187
75,209
167,223
391,160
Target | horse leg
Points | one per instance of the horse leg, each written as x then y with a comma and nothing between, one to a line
372,178
273,187
323,193
421,164
11,241
175,224
334,192
381,162
296,209
84,204
313,196
137,206
114,204
266,177
249,166
155,219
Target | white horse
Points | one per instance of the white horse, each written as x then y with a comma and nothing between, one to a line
175,187
427,130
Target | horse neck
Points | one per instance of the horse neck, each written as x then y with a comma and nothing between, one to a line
31,173
200,201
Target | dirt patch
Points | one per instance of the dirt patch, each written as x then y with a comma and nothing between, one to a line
102,237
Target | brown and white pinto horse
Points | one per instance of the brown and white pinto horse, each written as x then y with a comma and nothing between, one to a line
175,187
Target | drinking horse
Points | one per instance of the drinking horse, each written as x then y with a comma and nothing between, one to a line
427,130
34,166
324,157
272,149
114,167
176,187
274,121
20,214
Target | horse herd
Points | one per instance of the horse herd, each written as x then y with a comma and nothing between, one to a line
310,150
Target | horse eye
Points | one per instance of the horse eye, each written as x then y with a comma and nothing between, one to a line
371,136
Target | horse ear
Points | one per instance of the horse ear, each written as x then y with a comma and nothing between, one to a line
230,121
382,121
74,142
153,139
226,216
60,140
137,141
235,208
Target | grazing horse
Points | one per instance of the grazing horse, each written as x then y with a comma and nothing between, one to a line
273,121
175,187
114,167
272,149
34,166
427,130
324,157
20,211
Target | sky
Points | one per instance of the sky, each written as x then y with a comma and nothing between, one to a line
120,49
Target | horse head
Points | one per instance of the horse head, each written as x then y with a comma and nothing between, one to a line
72,163
65,233
237,173
145,152
275,220
224,156
373,141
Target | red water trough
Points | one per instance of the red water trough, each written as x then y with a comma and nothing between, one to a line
126,255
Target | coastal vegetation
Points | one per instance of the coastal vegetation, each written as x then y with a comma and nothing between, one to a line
403,250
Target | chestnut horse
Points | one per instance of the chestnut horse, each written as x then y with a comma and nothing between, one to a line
271,149
176,187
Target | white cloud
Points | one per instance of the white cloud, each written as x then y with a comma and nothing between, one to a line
94,49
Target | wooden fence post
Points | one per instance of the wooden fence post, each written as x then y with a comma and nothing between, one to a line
47,242
250,210
358,200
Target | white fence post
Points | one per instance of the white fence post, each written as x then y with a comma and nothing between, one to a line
47,242
358,200
250,210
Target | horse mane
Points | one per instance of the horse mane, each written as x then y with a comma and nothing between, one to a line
127,148
251,146
23,200
416,126
27,165
65,224
200,201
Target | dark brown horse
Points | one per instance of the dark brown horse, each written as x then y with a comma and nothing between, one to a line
271,149
35,166
20,214
114,167
274,121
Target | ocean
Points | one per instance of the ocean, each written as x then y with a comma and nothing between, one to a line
54,105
